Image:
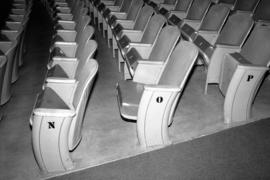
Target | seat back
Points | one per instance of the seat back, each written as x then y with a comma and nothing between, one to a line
198,9
165,43
85,83
235,29
83,22
153,29
85,53
262,12
118,2
256,48
126,6
246,6
215,18
143,18
179,65
86,34
134,10
229,3
183,5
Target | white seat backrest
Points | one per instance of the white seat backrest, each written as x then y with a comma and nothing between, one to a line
153,29
87,52
235,29
179,65
215,18
257,47
183,5
85,77
165,43
143,18
86,34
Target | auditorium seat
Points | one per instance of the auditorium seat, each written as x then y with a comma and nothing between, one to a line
146,38
148,63
213,22
115,19
231,39
181,8
57,120
197,12
70,35
246,6
121,14
243,72
66,68
7,49
139,25
153,105
262,13
210,26
70,48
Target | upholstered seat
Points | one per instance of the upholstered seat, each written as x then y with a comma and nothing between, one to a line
148,69
152,106
229,3
57,119
243,72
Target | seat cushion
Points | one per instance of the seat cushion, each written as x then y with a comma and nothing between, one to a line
57,72
129,96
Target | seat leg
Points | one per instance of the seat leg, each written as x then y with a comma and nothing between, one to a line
241,92
154,115
50,143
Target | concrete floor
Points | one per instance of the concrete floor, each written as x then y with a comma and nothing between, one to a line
106,137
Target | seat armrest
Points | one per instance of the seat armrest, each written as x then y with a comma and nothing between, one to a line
64,16
16,17
64,89
147,62
227,46
67,35
49,103
67,25
127,24
5,46
169,7
13,25
162,88
179,14
113,8
69,48
108,3
69,65
10,34
143,49
133,35
119,15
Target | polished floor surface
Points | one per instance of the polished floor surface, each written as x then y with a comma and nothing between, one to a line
106,136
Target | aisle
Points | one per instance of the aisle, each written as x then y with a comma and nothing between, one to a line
17,160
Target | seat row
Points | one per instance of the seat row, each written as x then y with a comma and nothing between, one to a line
58,113
12,46
159,49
